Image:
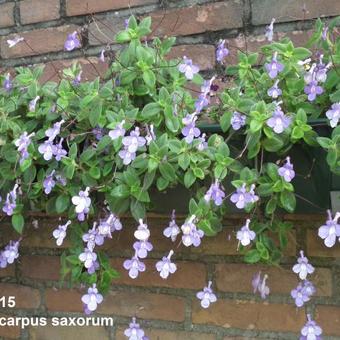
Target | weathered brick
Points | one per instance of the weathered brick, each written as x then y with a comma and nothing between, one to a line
9,332
40,267
8,271
328,317
79,7
250,315
151,278
32,11
291,10
63,300
202,55
237,278
316,246
68,333
40,41
143,305
197,19
25,297
159,334
6,14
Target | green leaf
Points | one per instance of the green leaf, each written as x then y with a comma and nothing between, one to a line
121,191
137,209
167,171
150,110
162,183
198,172
18,223
271,206
252,256
288,200
149,78
189,178
184,161
326,143
225,121
62,203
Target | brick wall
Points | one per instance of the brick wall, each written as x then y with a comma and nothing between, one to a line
169,309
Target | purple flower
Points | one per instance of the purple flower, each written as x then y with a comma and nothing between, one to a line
274,91
134,266
207,296
300,295
77,79
102,56
61,180
191,235
331,230
259,285
22,144
33,103
188,68
108,226
269,32
10,253
286,171
242,197
190,131
311,330
126,156
54,131
142,248
49,183
134,332
279,121
245,235
215,193
60,233
203,144
150,134
12,42
98,132
46,149
312,90
93,268
201,103
321,70
324,33
274,67
58,150
82,203
165,266
334,115
303,268
221,51
206,88
142,233
10,203
93,238
133,141
92,298
88,257
72,41
172,230
8,85
256,281
237,120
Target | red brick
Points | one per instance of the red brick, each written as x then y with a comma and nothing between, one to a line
291,10
25,297
9,332
102,31
40,267
40,40
238,277
6,14
316,246
250,315
202,55
32,11
143,305
63,300
328,317
158,334
197,19
79,7
150,278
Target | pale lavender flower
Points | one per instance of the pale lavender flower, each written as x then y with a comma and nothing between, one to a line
108,226
165,266
300,295
312,90
134,266
252,197
49,183
269,32
190,131
102,56
334,115
221,51
331,230
93,238
191,235
207,296
77,79
150,136
33,103
245,235
321,70
303,268
237,120
126,156
203,144
3,260
188,69
142,233
92,299
310,75
274,91
274,67
58,150
256,281
8,85
308,287
46,149
134,332
172,230
118,131
133,141
60,233
61,180
279,121
215,193
263,288
88,257
142,248
72,41
201,103
95,266
82,203
54,131
98,132
242,197
10,203
10,253
207,86
311,330
324,33
22,144
12,42
286,171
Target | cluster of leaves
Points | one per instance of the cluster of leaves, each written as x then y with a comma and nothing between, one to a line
143,87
